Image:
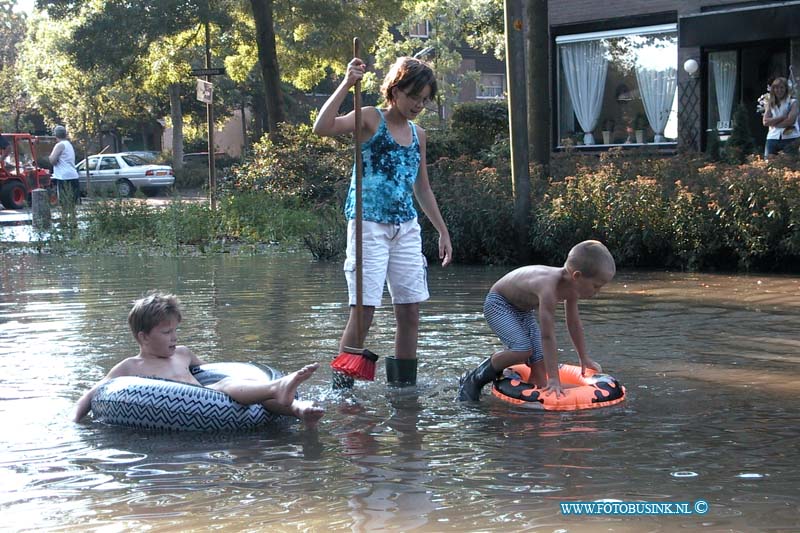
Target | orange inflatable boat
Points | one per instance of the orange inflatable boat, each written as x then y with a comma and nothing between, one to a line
580,392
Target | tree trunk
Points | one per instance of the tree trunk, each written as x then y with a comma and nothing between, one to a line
268,58
538,82
176,114
260,116
520,175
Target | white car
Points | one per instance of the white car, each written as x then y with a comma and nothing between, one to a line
124,173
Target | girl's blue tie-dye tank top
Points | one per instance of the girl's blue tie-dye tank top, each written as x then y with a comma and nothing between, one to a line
389,172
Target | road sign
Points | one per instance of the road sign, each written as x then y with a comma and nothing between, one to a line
205,91
219,71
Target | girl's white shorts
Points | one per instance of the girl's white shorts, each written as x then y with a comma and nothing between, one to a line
393,253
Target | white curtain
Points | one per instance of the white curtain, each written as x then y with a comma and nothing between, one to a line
585,68
657,88
566,118
723,67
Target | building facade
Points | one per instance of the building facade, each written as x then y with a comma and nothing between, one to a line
665,73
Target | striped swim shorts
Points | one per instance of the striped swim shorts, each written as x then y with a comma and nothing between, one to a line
518,330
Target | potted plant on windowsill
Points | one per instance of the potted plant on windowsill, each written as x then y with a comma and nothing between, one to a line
639,124
608,129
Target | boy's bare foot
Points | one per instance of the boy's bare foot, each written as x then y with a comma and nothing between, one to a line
287,385
306,411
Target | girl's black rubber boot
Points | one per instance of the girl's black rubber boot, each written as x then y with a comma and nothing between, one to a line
401,372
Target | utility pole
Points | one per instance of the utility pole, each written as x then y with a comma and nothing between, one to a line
212,178
518,123
244,127
539,101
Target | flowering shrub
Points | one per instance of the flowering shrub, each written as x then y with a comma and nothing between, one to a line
678,212
477,206
629,216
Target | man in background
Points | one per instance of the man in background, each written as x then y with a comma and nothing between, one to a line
64,172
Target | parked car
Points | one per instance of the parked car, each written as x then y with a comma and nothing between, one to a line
124,173
199,160
195,168
195,156
148,155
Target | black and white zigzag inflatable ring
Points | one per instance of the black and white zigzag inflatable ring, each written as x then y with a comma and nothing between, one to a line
152,403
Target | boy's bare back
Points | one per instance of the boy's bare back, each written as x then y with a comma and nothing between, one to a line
526,286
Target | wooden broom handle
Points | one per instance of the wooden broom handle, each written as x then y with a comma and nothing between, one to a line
359,204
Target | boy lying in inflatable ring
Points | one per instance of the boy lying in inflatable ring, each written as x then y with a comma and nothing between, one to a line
509,310
154,322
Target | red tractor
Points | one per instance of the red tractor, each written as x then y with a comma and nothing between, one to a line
20,172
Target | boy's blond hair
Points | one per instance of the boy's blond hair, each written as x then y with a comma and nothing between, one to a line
590,258
150,311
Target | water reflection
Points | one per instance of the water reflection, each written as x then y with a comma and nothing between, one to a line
710,363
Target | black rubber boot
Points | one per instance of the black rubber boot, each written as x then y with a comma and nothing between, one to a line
471,383
401,372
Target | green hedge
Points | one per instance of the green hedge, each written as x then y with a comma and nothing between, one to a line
676,212
683,212
476,203
479,130
299,164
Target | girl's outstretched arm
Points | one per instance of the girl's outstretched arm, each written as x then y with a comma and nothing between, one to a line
427,201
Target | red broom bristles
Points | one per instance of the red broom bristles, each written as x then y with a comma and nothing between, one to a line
356,365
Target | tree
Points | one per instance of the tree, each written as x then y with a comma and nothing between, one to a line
61,92
12,98
160,56
517,113
296,41
448,22
309,33
538,82
315,37
268,59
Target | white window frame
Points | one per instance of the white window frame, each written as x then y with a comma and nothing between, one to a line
598,35
415,28
479,92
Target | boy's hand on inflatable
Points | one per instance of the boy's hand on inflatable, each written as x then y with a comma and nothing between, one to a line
588,363
554,386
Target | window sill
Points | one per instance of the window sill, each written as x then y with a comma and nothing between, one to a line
665,147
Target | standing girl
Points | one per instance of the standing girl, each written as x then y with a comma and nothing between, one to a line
394,167
780,115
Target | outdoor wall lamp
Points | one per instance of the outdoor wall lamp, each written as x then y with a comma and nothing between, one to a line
691,67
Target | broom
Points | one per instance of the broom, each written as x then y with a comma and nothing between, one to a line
358,363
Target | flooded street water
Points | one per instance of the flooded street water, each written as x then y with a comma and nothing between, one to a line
710,363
